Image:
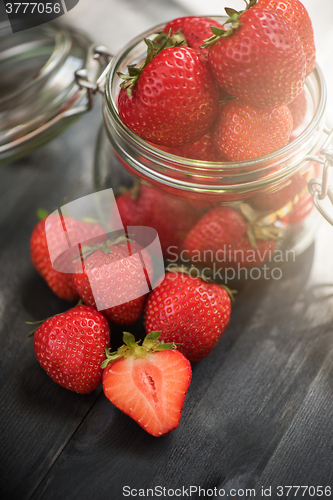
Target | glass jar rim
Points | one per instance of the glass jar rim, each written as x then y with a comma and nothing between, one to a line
40,103
165,167
59,45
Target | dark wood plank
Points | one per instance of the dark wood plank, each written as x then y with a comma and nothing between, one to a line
243,399
259,409
37,416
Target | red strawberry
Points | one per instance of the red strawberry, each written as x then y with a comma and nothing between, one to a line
300,210
282,196
260,59
224,238
60,283
148,382
146,206
295,12
242,132
195,29
294,197
70,347
190,312
113,274
204,150
298,108
173,101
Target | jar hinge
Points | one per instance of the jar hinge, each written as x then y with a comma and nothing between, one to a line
319,188
81,76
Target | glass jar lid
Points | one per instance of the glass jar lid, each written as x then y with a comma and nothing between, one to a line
39,96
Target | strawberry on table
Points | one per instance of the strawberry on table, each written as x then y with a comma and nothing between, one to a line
295,12
112,273
172,100
71,347
260,58
242,132
148,383
224,237
190,312
195,29
60,283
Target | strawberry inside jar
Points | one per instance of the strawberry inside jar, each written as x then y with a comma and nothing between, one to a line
230,194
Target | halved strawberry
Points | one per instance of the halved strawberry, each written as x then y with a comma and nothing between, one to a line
148,382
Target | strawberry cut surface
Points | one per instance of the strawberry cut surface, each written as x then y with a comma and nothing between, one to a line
151,390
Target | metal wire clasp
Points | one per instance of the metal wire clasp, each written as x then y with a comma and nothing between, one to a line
319,188
81,76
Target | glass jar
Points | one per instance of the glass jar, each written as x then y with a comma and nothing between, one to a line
39,97
186,200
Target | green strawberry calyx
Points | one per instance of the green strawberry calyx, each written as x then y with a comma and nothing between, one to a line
132,349
105,246
160,42
259,228
232,21
39,322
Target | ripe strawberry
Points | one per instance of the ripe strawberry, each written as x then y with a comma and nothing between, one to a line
298,108
204,150
190,312
295,187
148,382
173,101
224,238
242,132
59,282
70,347
295,12
195,29
113,279
294,197
300,210
146,206
260,59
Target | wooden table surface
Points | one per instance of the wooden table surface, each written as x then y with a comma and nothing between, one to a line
259,411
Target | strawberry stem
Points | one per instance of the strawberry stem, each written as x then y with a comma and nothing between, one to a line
31,334
233,20
42,213
161,41
131,348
